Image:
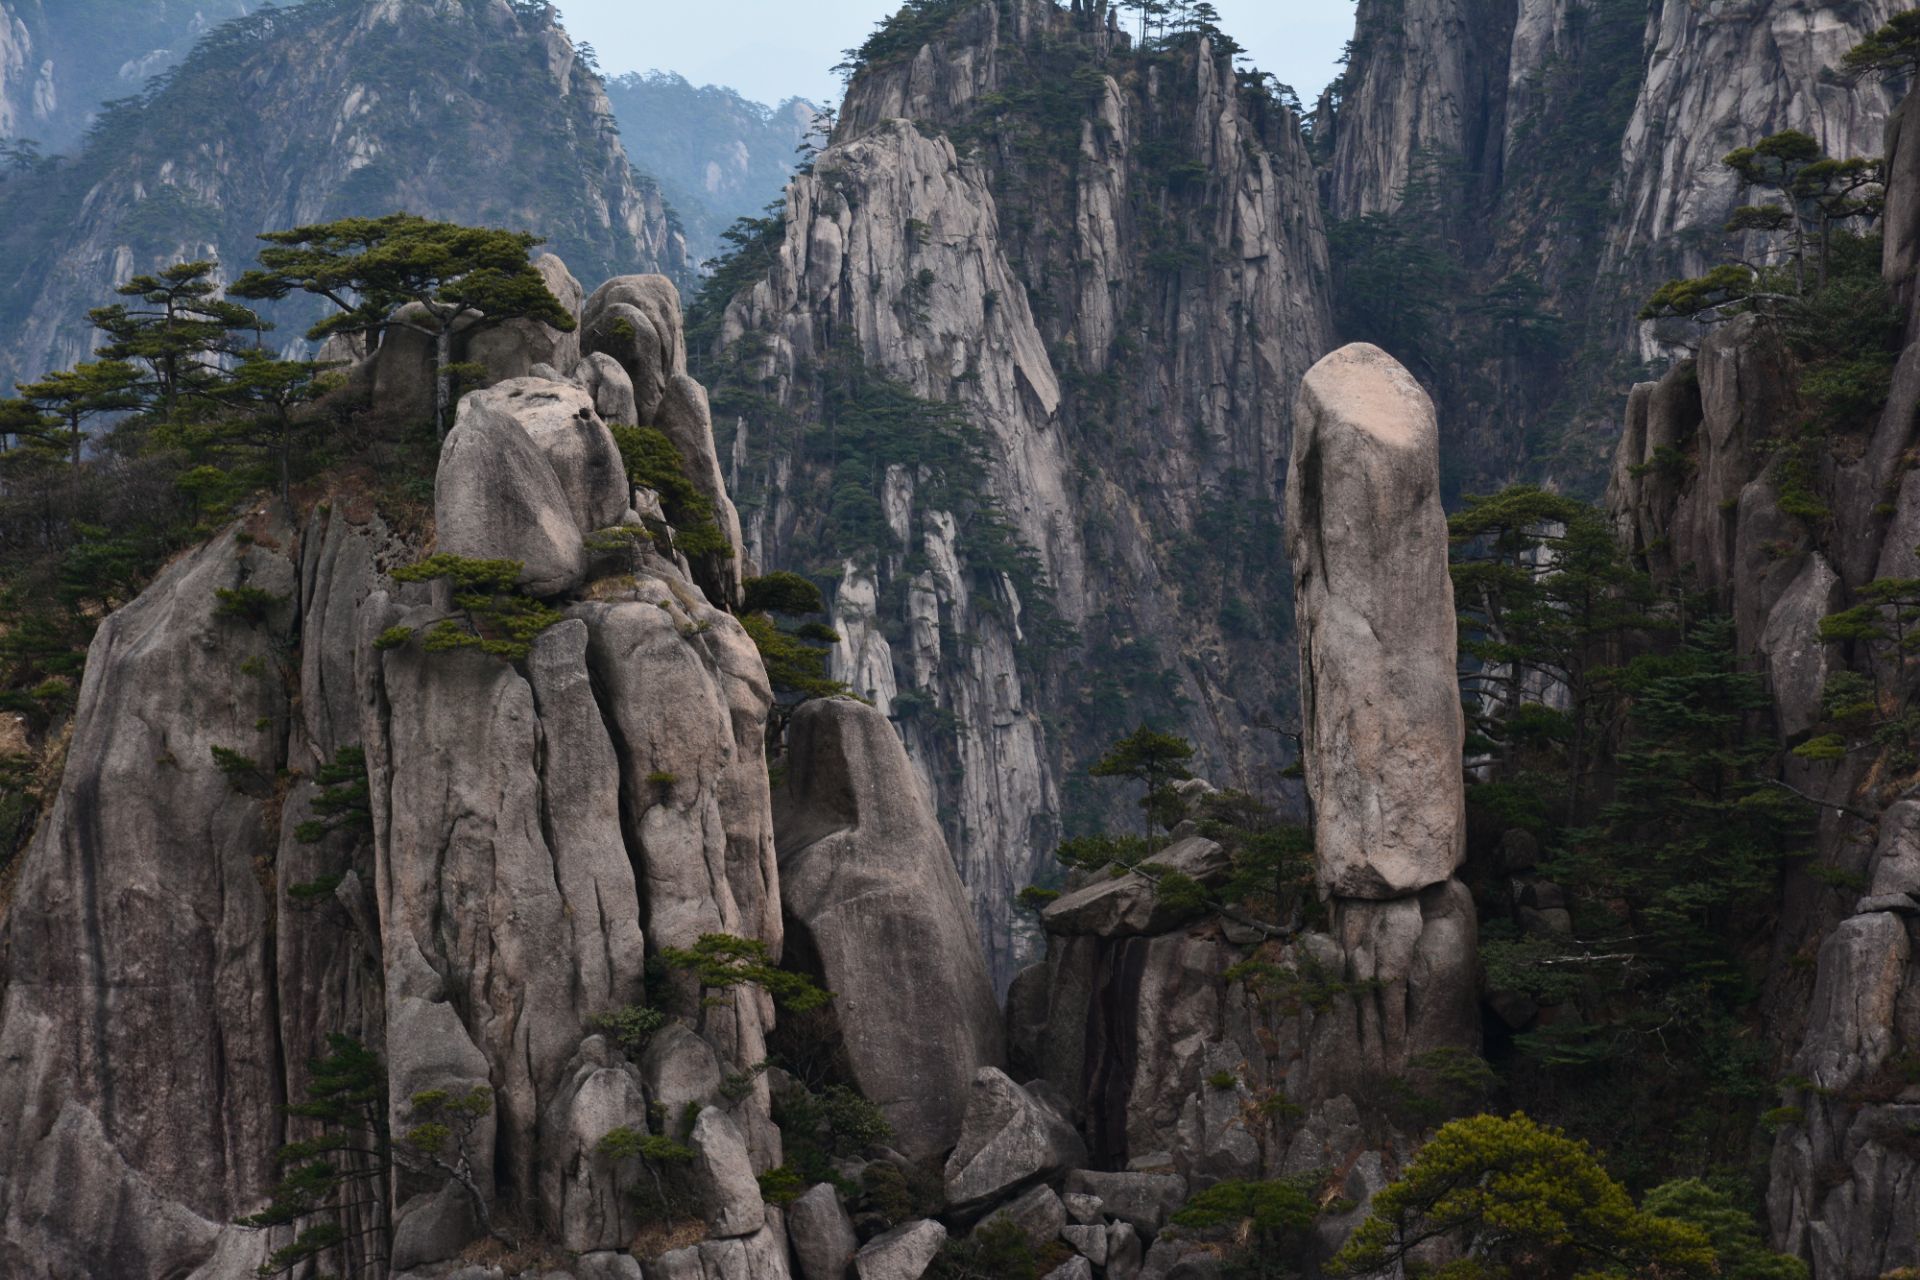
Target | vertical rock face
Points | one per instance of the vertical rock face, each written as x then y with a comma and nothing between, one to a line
16,81
1844,1174
1383,728
1720,79
1428,77
1540,129
635,321
1118,331
60,63
140,1048
874,907
1164,1037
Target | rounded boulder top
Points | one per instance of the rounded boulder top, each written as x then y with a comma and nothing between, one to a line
1362,386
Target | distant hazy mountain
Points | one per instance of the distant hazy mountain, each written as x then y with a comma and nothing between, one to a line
60,59
716,155
477,112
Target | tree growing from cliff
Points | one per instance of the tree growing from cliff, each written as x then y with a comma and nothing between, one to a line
175,327
496,617
666,1163
721,962
1812,195
794,651
1883,629
258,405
654,463
443,1142
333,1186
1891,52
1263,1225
1156,761
403,271
1775,164
70,399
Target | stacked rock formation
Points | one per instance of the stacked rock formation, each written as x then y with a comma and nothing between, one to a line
1381,718
1132,1019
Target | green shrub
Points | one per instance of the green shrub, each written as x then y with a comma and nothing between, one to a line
246,604
1033,897
500,618
631,1026
344,802
782,1185
722,961
653,463
244,775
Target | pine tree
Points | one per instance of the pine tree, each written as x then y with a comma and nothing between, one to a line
256,405
457,278
77,396
178,329
1542,587
1892,52
1683,861
1265,1225
1155,760
333,1186
1520,1202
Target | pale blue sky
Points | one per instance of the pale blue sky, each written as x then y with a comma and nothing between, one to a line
773,49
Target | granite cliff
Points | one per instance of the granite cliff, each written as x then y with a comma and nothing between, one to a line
1031,324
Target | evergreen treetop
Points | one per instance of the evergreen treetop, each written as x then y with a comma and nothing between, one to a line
456,278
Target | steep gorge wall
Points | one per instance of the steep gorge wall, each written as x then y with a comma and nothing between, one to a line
176,952
60,61
1577,147
1231,1047
1783,533
1112,265
201,914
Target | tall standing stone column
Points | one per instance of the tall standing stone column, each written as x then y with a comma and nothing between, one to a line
1382,723
1383,727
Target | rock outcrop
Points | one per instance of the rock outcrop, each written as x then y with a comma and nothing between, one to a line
822,1234
635,321
537,824
137,1108
1382,725
1706,490
1569,155
498,497
1009,1138
1173,1037
901,1254
874,907
1121,905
